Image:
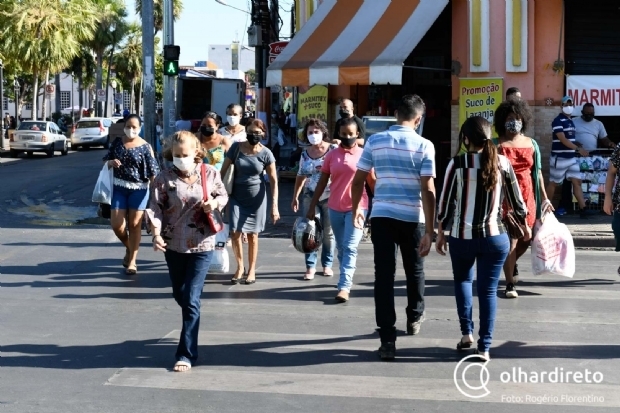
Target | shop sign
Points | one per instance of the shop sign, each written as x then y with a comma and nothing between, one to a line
312,104
602,91
275,49
479,97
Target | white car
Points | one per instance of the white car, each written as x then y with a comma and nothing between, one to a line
91,132
38,136
376,124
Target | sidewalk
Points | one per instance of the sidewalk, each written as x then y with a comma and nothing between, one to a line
593,232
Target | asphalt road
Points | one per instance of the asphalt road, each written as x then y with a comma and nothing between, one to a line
77,335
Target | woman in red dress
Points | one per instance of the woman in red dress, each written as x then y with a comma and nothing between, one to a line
511,120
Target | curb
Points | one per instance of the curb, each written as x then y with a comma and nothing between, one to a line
593,240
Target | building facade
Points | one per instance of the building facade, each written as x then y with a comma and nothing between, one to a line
534,45
234,56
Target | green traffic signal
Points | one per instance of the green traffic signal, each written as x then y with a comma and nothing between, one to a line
171,67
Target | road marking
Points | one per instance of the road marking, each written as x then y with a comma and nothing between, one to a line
334,385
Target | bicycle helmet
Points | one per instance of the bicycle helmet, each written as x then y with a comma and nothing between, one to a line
307,235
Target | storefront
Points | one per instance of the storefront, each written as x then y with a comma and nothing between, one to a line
373,51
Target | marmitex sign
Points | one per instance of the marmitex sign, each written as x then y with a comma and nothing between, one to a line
602,91
275,49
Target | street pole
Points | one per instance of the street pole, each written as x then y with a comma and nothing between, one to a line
72,102
169,81
16,86
2,89
148,67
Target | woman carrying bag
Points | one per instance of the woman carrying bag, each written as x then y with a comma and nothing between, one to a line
474,186
184,217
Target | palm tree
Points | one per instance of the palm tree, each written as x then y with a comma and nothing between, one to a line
129,62
112,15
83,66
45,35
116,36
158,12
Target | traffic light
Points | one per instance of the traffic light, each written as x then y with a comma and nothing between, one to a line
171,67
171,60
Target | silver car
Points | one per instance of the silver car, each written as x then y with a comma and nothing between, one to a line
38,136
91,132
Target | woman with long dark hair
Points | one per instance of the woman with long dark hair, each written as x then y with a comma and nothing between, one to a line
474,186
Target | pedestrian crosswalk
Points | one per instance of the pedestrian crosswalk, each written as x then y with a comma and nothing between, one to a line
285,337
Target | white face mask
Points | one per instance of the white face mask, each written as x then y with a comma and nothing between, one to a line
233,120
315,138
184,164
132,133
568,109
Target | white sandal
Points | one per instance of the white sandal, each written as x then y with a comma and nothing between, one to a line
182,363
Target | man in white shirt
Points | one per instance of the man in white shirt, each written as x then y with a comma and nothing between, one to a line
588,131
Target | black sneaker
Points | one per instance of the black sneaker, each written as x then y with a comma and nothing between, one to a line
413,327
583,213
511,291
387,351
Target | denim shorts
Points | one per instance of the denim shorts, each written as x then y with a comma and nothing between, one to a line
123,198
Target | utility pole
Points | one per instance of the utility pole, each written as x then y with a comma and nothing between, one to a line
148,74
169,81
2,89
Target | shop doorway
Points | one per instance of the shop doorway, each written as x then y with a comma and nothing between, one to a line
592,45
427,73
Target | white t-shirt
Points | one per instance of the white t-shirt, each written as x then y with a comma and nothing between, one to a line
239,137
588,133
292,120
183,125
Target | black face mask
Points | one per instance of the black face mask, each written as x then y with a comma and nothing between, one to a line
205,131
253,139
344,113
588,118
348,142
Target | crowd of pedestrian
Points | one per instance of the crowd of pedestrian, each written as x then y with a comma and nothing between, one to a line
493,193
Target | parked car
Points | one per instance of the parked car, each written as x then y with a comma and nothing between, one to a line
376,124
91,132
38,136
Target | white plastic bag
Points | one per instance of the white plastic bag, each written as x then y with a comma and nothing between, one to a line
220,263
553,251
103,188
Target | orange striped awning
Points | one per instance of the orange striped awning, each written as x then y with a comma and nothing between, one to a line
350,42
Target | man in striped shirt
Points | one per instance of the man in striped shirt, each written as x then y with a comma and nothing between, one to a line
564,150
404,199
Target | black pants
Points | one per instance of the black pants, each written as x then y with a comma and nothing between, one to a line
387,236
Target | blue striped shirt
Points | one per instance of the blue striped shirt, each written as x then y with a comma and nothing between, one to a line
400,158
563,123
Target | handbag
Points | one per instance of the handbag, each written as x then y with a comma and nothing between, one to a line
229,177
514,229
214,217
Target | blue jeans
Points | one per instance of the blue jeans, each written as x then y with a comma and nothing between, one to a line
187,273
615,226
327,250
489,254
347,239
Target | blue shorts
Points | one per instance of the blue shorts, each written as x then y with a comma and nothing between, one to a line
123,198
